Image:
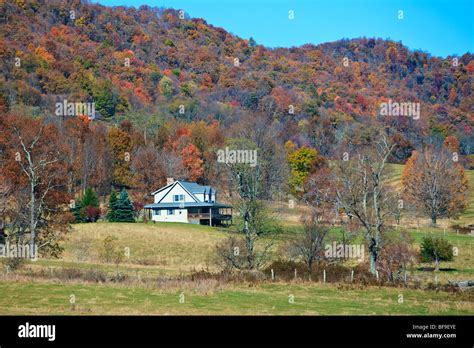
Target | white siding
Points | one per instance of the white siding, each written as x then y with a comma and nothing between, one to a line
180,215
200,196
160,195
177,190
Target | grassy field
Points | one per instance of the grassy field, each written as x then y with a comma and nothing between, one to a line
158,250
268,299
173,248
468,216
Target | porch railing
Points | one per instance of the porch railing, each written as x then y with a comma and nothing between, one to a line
199,216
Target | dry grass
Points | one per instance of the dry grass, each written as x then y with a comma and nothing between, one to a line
173,247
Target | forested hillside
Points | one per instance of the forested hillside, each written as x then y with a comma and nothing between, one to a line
179,87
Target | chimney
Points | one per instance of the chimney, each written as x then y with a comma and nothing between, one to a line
169,181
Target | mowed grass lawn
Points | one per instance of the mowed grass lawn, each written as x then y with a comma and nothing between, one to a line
268,299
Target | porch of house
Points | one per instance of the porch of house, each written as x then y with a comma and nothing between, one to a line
221,216
207,214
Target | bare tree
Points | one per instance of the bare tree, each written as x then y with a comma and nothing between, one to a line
248,184
435,183
44,167
309,246
232,253
363,193
357,185
148,169
396,255
173,164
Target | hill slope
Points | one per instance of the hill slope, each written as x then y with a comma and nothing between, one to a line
150,60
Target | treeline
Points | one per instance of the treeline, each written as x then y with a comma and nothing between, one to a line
150,64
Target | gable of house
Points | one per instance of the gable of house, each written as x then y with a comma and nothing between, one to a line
179,190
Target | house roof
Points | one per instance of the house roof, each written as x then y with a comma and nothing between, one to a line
183,205
195,188
191,187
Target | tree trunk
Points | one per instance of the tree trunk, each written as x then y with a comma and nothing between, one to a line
433,219
437,265
373,254
32,220
249,245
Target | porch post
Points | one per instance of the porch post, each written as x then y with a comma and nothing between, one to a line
210,216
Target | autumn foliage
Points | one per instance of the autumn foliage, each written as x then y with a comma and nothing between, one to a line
435,183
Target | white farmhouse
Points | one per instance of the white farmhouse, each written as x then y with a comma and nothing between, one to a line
188,202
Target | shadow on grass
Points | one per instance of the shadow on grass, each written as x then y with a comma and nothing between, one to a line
432,269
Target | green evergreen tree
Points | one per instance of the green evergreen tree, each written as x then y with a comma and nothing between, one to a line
111,214
105,98
124,208
78,212
81,209
90,199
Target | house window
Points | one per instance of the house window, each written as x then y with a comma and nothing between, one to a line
178,198
157,212
170,211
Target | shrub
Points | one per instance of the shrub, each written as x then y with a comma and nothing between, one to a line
463,229
396,255
231,254
335,272
90,275
309,246
436,249
82,249
92,213
13,264
137,209
110,251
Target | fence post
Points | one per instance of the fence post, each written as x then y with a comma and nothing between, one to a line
324,276
273,274
352,276
295,273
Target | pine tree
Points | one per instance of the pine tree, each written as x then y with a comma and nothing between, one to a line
78,212
87,209
90,199
124,208
111,214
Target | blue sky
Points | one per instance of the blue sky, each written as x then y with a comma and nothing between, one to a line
439,27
